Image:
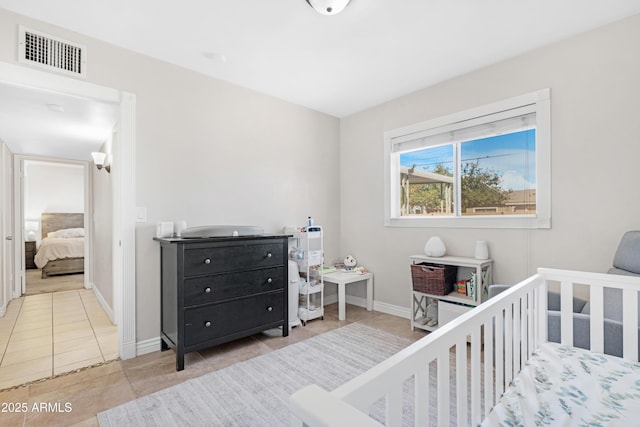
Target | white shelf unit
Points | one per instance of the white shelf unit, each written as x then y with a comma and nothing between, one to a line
310,260
452,304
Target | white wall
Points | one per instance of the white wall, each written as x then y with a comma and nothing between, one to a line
209,152
595,100
52,187
102,192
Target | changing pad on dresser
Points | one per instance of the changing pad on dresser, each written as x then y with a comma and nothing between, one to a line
221,231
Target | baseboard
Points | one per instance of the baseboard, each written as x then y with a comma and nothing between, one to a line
128,350
358,301
103,303
382,307
393,310
148,346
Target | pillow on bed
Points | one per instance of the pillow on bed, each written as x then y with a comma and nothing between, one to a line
67,233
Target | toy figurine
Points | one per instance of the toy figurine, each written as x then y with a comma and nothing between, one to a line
430,317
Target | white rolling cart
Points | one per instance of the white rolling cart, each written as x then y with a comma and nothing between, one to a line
310,257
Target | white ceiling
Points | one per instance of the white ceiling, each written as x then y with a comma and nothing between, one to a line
374,51
31,123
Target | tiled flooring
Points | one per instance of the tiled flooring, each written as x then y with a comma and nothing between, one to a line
52,333
93,390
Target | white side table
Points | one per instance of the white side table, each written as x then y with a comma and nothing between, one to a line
342,279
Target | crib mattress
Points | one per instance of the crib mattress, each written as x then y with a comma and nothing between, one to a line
568,386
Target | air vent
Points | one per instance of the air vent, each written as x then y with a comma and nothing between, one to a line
46,51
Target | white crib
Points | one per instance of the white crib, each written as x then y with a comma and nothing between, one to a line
518,316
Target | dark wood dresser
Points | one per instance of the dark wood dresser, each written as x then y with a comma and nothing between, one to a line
215,290
29,254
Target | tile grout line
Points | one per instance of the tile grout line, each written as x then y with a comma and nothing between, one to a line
92,328
6,347
76,292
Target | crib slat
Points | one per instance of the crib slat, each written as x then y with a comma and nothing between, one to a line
499,359
630,323
566,313
422,395
524,355
461,380
394,405
488,367
542,333
531,321
596,318
476,417
295,421
443,387
508,344
516,336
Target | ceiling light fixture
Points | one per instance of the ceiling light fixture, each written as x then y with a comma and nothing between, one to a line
328,7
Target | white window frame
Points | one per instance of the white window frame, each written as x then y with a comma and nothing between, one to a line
538,101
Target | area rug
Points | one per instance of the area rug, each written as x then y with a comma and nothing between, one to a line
256,392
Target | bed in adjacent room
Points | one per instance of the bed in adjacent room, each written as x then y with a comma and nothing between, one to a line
61,250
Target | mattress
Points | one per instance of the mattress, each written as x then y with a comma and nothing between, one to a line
52,248
568,386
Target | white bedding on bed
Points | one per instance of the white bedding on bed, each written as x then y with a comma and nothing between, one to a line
568,386
52,248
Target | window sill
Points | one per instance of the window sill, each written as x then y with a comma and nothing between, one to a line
488,221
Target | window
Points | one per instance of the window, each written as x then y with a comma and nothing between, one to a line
485,167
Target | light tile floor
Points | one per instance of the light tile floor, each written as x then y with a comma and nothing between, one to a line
96,389
49,334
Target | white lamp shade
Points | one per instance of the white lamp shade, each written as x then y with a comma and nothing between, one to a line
30,227
98,157
328,7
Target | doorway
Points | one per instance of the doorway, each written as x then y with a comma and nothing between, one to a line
123,207
54,198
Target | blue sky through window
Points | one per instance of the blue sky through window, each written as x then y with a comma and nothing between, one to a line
512,156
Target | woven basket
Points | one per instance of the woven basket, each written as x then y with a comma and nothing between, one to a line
433,279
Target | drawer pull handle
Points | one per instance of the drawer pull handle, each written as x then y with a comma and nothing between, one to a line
207,290
269,280
269,255
269,308
207,324
207,260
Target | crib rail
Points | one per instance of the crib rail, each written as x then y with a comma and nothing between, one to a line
456,374
597,282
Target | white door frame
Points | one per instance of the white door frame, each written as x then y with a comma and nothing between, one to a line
6,227
123,175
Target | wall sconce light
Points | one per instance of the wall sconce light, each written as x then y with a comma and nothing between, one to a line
98,159
30,227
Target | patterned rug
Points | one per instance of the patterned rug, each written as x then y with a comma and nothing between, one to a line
256,392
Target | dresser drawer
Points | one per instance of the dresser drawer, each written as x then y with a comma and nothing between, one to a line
217,259
219,287
219,320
